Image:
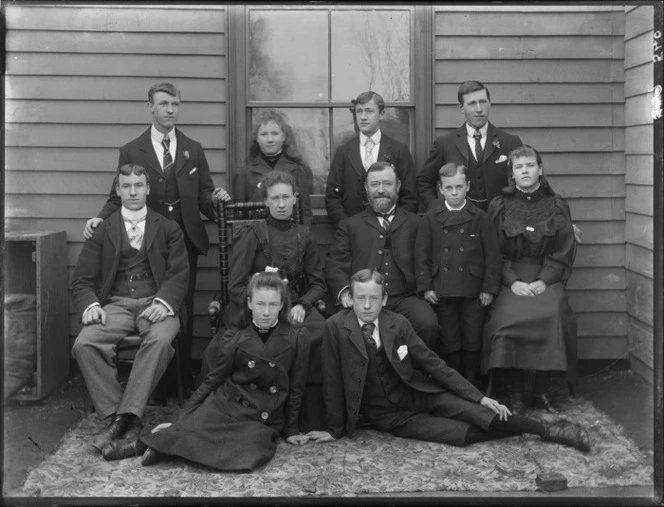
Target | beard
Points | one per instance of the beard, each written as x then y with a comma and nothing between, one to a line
383,203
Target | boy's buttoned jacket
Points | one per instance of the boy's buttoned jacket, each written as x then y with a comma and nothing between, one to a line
457,252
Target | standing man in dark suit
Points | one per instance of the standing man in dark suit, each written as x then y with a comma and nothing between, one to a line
382,237
375,365
478,145
181,189
131,277
345,194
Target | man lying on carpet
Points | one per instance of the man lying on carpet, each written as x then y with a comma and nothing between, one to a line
253,393
130,278
375,365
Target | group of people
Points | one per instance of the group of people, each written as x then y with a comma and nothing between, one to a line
427,304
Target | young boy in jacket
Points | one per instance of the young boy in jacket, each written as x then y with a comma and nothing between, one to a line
458,267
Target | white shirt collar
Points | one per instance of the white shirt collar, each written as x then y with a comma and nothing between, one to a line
134,214
159,137
375,138
471,130
455,209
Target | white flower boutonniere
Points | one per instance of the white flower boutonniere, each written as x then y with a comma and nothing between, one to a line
186,154
496,144
402,351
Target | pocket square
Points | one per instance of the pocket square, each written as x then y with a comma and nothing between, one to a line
193,171
501,159
402,351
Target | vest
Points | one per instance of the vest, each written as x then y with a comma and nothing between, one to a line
134,277
475,177
382,384
172,194
395,281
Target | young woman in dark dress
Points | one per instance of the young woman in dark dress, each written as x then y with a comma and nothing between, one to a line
531,325
251,396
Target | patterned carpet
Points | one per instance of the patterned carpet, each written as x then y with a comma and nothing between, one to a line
372,462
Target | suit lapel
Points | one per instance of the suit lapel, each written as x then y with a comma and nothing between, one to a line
182,147
385,151
151,226
398,220
114,231
355,333
372,220
354,156
461,142
491,137
149,156
386,330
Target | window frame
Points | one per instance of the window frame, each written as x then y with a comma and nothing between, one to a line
240,107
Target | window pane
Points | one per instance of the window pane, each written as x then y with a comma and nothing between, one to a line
371,51
396,124
288,55
311,129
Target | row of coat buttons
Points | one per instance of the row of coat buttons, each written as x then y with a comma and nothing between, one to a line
272,389
447,230
447,249
252,364
447,269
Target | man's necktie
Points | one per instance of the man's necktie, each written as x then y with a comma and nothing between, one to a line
369,145
367,332
134,232
168,159
478,146
385,220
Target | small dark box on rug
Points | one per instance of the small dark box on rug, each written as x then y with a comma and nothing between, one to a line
551,481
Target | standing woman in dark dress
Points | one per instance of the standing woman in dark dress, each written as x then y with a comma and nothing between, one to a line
251,396
531,325
273,149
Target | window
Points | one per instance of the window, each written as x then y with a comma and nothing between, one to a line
308,63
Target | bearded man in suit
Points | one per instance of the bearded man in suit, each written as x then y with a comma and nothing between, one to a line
382,237
181,189
374,365
131,278
477,145
345,193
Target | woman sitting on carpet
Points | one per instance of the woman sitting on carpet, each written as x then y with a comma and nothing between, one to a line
531,325
253,393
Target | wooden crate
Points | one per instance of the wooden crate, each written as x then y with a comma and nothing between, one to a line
36,263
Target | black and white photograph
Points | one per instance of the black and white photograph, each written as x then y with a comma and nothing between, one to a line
319,252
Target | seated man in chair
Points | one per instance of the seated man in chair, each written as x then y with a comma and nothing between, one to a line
131,278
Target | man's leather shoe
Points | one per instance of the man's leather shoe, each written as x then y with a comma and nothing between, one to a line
543,401
151,456
567,434
516,404
115,430
121,449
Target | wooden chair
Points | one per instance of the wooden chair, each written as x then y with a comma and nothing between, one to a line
231,218
125,351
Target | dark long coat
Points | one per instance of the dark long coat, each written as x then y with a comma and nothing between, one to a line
251,396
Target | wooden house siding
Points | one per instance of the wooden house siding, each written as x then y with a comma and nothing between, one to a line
76,90
556,77
639,187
